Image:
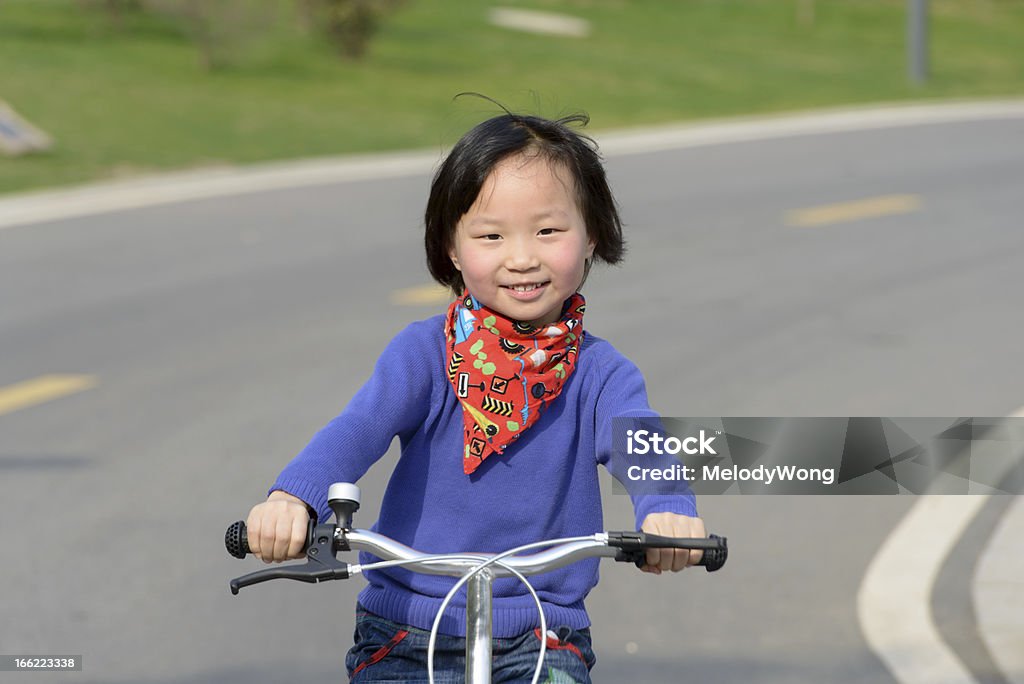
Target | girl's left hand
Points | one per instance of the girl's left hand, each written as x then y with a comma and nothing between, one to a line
672,525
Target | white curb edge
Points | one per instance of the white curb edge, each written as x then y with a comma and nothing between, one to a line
100,198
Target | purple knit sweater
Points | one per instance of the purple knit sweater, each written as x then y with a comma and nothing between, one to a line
544,486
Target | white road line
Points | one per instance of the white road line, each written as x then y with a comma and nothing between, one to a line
100,198
894,601
999,594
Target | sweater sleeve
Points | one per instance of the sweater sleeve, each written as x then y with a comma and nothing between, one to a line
393,402
622,402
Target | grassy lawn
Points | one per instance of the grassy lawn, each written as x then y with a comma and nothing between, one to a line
134,99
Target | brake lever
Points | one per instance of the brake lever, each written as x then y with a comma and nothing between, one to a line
321,563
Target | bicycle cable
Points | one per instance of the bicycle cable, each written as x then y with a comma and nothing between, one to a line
484,562
496,560
451,594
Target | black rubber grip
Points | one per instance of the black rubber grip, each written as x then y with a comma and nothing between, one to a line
714,556
236,540
713,559
633,547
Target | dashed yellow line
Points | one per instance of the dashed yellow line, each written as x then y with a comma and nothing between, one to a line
42,389
421,296
872,207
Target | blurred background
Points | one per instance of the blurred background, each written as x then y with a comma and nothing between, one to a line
211,225
133,86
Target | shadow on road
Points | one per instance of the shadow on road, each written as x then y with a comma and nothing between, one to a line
44,462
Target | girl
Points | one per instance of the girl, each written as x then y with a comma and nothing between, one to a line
503,407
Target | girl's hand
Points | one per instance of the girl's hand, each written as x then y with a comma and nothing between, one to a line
277,527
672,525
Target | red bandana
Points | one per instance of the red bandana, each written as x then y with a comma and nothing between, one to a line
505,372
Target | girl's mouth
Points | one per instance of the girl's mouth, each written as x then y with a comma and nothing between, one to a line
526,292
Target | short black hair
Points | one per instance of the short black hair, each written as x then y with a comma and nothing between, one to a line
457,184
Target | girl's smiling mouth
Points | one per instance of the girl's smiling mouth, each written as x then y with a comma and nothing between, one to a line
526,291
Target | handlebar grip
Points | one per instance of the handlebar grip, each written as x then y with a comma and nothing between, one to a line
236,539
633,547
715,550
320,547
714,559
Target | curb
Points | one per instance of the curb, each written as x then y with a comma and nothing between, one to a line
100,198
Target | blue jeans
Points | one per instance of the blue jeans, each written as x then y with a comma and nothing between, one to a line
386,652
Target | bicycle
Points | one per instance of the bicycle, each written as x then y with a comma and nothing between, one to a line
478,570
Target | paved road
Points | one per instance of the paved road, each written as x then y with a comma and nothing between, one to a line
222,333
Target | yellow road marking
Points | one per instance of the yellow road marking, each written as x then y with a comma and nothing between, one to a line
886,205
42,389
421,295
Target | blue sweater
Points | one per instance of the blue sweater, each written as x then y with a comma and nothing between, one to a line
545,486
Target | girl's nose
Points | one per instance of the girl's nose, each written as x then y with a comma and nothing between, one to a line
520,257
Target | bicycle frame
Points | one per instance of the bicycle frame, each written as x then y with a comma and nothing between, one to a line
478,627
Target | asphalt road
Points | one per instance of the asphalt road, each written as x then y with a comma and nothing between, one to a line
223,333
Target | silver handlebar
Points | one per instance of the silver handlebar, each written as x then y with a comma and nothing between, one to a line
457,564
325,540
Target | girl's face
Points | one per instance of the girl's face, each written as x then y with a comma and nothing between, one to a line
522,246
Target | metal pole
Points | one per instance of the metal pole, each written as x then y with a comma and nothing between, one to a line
917,41
478,628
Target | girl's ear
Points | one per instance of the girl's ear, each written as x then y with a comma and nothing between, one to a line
591,244
455,259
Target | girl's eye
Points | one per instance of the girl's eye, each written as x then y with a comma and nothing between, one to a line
491,236
548,231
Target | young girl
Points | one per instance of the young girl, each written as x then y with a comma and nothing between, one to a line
503,407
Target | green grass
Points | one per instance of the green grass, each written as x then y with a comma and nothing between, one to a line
135,99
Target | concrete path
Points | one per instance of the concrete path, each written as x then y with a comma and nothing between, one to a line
187,302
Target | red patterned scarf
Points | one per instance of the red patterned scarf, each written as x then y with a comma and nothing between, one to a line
505,372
